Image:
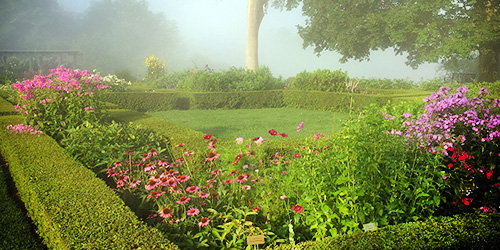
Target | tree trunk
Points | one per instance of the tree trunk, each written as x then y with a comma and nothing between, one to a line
489,55
255,13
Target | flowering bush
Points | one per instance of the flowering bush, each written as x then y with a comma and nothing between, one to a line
466,133
23,128
62,99
156,68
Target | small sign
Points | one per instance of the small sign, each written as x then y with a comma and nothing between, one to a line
369,227
256,240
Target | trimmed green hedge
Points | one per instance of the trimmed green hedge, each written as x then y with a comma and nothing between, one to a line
316,100
15,232
459,232
70,206
6,107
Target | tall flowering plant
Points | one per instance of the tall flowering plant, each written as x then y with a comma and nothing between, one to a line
466,133
60,100
156,68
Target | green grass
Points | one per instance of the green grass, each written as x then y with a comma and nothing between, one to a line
250,123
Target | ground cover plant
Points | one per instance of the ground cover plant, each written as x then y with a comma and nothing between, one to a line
377,170
249,123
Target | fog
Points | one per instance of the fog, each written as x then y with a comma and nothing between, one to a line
212,32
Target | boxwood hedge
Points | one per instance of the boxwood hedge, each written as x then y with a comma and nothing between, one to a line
70,206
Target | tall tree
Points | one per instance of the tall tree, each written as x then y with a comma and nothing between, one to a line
427,30
255,14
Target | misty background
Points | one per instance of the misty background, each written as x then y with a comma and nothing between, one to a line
119,35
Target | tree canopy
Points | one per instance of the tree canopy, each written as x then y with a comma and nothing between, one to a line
427,30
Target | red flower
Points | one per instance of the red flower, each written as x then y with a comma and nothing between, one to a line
298,209
283,135
273,132
207,136
237,158
450,165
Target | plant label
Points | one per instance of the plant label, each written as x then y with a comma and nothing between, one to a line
256,240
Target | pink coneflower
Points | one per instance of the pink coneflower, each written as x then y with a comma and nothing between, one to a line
189,153
203,194
246,187
183,200
283,197
150,168
163,163
193,211
192,189
166,212
156,194
180,145
117,164
134,183
241,178
182,178
111,171
212,156
211,181
208,186
152,184
121,180
151,216
228,181
298,209
204,222
129,152
216,172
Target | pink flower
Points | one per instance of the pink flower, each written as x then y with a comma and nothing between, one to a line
156,194
193,211
300,126
204,222
246,187
189,153
273,132
203,194
239,140
298,209
166,212
241,178
297,155
211,181
152,184
228,181
212,156
216,172
283,197
192,189
180,145
134,183
183,200
182,178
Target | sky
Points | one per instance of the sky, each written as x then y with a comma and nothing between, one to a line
213,33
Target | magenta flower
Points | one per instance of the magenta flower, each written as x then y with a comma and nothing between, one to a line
193,211
283,135
192,189
300,126
207,136
156,194
273,132
204,222
183,200
239,140
297,155
298,209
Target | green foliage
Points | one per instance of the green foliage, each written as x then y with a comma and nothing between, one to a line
15,229
468,231
323,80
125,74
420,28
156,68
61,197
231,80
6,107
377,83
99,146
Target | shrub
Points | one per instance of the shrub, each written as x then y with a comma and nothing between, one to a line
322,80
377,83
156,68
125,74
63,99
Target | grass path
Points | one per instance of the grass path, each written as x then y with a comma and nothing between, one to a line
250,123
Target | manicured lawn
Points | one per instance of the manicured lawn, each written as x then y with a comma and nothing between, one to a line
250,123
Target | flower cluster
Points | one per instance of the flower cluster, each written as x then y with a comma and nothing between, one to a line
65,98
23,128
156,67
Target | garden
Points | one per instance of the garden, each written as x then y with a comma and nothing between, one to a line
351,164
